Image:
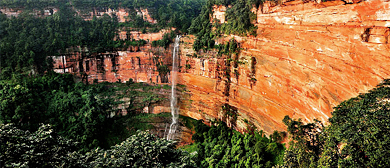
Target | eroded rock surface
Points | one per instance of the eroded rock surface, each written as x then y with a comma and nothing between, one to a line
305,60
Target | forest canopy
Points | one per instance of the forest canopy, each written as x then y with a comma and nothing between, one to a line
26,41
168,13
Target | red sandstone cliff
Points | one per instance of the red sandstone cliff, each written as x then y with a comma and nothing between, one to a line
305,60
137,63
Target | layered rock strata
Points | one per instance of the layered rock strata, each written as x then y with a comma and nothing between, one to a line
305,60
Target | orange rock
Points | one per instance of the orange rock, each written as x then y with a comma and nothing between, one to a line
147,17
379,31
219,13
305,62
331,3
378,39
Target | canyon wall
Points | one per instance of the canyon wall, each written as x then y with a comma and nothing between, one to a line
137,63
305,60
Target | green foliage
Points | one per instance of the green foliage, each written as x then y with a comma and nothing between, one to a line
26,41
167,39
163,71
360,126
77,111
172,13
42,148
176,13
30,4
201,27
230,47
306,144
356,137
124,44
191,148
220,146
239,22
140,150
188,66
239,19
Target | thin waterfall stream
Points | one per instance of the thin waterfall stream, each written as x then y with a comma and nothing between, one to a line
174,108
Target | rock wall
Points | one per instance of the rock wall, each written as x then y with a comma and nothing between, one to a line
305,60
121,13
219,13
146,16
137,63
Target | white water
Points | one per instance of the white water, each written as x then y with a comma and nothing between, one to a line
174,109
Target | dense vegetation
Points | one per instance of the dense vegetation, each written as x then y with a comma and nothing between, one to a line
30,4
356,136
168,13
220,146
77,111
239,21
49,120
45,148
26,41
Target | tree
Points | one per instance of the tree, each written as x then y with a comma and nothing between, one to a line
220,146
356,137
358,134
306,143
140,150
42,148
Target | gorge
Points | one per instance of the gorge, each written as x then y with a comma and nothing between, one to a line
270,79
305,59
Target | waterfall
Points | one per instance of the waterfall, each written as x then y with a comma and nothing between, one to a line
174,109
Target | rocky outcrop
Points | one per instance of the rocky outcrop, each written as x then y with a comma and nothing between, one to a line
219,13
146,16
121,13
305,60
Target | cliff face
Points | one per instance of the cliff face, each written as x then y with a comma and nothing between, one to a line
138,63
305,60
